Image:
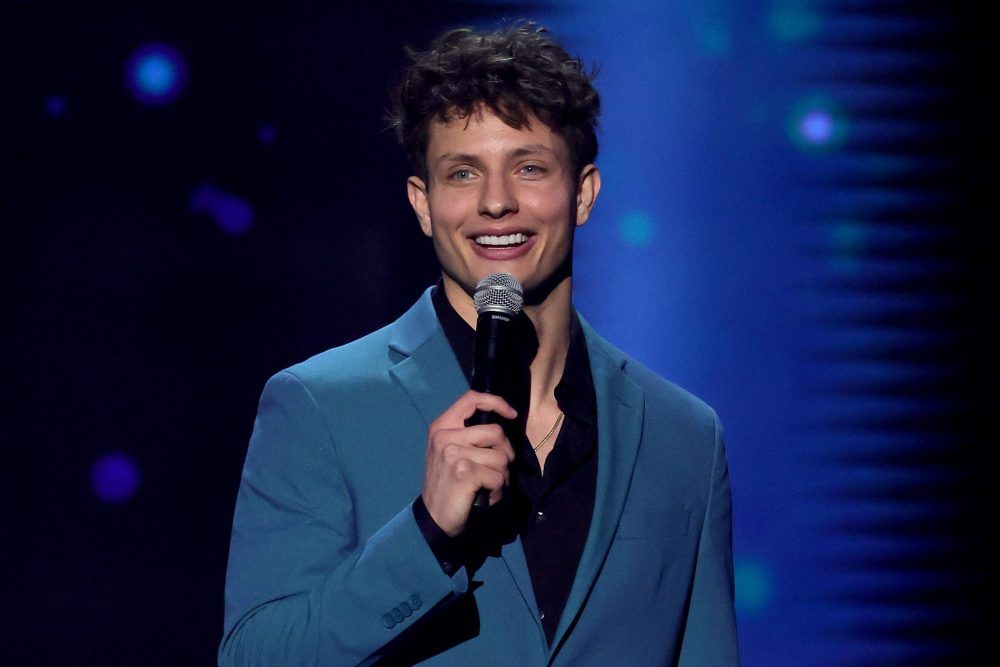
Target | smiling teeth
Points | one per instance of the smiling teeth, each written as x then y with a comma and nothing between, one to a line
501,241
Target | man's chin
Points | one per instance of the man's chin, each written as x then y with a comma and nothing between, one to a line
536,290
469,283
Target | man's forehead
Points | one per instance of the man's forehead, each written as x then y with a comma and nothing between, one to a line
482,131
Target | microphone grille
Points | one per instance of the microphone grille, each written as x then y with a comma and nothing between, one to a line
499,292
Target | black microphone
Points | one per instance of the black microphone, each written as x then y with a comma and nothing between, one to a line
499,298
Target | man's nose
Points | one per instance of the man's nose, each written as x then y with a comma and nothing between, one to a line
498,199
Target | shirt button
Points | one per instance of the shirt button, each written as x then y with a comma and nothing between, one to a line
539,517
541,615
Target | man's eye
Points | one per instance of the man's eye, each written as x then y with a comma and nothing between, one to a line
461,175
533,169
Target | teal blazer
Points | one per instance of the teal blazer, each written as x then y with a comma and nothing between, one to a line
328,567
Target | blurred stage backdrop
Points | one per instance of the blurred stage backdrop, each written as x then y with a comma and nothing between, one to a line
793,226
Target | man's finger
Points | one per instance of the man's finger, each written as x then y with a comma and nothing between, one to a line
488,458
472,401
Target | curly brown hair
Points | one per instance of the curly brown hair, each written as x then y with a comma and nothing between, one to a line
516,72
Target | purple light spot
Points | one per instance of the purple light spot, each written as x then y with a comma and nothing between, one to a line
267,134
114,477
817,126
55,105
231,214
156,74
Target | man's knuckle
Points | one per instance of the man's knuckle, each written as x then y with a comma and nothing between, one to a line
436,441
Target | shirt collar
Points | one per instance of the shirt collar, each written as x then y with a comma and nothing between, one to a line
575,392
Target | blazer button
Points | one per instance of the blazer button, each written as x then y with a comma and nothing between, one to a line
397,615
388,621
406,609
415,601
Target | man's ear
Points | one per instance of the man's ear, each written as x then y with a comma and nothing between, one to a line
416,190
586,192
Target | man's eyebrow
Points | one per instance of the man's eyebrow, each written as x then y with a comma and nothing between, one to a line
520,151
530,149
457,157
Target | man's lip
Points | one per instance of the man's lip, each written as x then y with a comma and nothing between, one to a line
497,253
500,231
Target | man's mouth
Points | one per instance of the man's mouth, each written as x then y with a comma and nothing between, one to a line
506,241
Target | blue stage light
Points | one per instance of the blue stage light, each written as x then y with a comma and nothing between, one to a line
817,123
55,105
714,40
795,20
231,214
753,587
636,229
848,241
114,477
817,126
156,74
267,134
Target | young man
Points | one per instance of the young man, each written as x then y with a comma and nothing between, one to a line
608,534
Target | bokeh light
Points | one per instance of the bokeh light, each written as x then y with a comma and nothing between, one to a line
55,105
636,229
114,477
848,241
714,40
156,74
817,124
753,587
231,214
267,134
795,20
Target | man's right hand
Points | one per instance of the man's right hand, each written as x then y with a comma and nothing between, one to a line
462,459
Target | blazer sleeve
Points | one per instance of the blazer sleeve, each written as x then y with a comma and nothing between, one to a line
301,587
709,636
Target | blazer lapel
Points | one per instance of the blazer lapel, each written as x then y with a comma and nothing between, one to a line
427,370
619,430
517,565
432,378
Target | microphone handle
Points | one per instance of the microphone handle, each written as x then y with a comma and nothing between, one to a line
482,501
489,375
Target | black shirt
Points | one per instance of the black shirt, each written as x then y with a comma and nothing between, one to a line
552,511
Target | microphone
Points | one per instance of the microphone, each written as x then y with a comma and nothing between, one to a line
499,298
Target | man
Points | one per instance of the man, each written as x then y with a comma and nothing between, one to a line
608,533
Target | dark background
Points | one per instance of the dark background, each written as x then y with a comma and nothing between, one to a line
137,324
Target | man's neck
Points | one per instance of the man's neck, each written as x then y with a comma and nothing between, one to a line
551,319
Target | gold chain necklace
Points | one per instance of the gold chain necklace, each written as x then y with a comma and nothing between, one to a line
548,435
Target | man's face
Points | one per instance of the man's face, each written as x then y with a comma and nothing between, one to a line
499,199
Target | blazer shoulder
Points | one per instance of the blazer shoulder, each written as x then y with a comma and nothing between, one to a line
370,357
365,358
659,390
661,395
